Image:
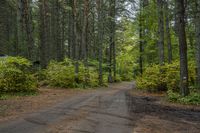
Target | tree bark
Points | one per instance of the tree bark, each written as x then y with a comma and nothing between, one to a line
182,48
2,27
100,38
141,42
160,32
27,22
70,31
197,25
43,33
112,48
59,53
85,39
76,50
168,34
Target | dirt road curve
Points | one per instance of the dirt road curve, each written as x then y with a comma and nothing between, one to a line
111,110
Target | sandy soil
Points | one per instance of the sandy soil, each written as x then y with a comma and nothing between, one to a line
17,106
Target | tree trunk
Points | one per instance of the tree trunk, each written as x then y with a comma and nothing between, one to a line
182,48
70,31
85,39
114,43
197,25
142,29
160,32
141,35
20,29
25,28
100,38
58,42
112,52
76,51
168,34
43,33
26,8
2,27
63,38
53,31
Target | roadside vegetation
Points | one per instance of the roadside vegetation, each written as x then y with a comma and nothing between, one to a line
169,49
18,76
166,78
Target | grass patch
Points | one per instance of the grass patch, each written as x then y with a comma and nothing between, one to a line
192,99
6,96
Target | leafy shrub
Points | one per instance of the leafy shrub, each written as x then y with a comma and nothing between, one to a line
14,75
173,75
152,79
167,77
61,74
93,80
41,75
193,98
126,76
173,96
118,78
88,77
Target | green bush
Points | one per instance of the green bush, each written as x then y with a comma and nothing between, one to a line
152,79
193,98
173,75
173,96
15,76
167,77
61,74
88,77
93,78
118,78
41,75
126,76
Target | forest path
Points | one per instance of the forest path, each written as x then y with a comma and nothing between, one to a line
111,110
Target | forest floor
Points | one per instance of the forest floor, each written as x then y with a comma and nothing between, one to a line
119,108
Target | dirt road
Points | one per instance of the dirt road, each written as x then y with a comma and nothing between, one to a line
111,110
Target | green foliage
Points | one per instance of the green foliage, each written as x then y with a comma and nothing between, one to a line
118,78
14,75
93,78
193,98
5,96
41,75
61,74
167,77
125,64
172,78
173,96
152,79
88,77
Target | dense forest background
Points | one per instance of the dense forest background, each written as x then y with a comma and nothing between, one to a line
116,39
